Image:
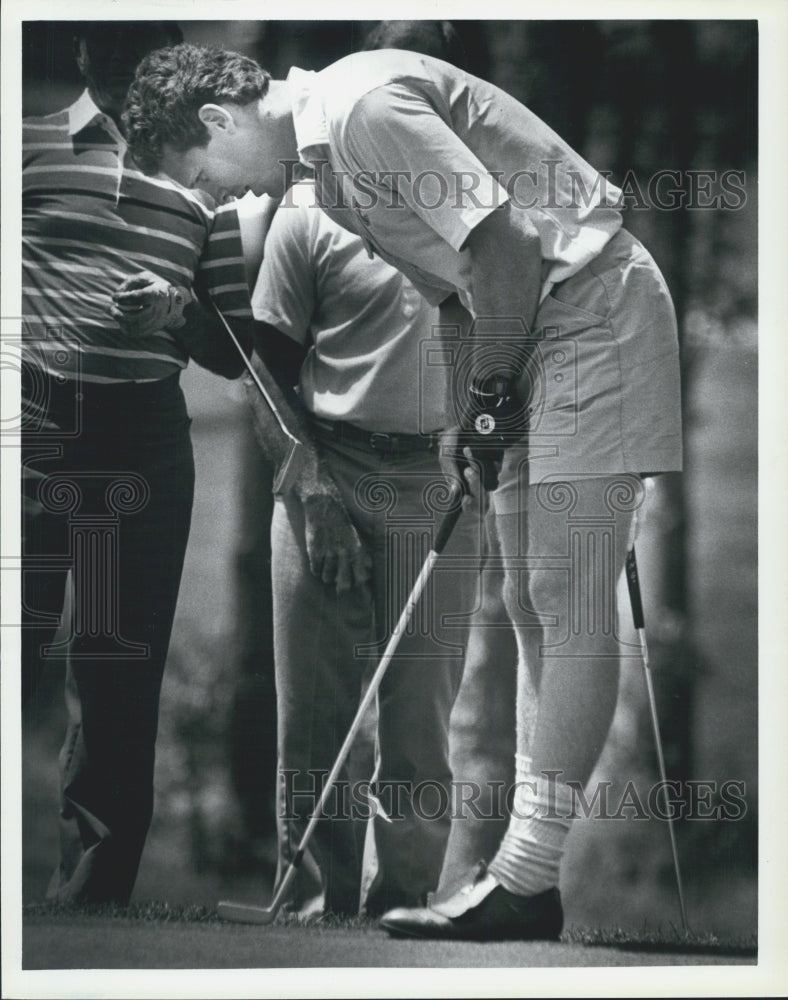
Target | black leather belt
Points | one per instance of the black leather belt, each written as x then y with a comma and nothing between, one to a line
377,441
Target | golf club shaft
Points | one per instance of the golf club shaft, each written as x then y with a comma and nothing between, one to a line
633,583
293,444
652,702
252,914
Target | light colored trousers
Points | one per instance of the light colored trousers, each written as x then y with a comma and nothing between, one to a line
326,645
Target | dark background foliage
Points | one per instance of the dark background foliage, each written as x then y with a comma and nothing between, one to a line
635,97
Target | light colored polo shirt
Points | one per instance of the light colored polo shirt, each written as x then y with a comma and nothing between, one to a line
373,359
419,153
90,219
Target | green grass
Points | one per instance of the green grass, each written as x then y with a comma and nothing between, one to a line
670,939
148,910
156,910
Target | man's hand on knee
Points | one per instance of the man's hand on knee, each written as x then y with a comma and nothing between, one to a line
335,551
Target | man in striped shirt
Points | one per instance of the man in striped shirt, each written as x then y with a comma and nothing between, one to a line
108,471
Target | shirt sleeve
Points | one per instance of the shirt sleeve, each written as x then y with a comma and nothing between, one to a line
398,133
222,272
254,218
284,295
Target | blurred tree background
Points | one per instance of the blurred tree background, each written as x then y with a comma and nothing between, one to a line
635,98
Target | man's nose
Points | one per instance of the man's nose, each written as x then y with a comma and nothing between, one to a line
218,192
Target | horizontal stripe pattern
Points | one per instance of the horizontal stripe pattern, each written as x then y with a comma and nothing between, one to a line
222,272
90,220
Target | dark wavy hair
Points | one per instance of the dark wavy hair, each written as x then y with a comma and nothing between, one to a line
169,88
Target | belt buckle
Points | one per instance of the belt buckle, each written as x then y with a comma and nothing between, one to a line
380,441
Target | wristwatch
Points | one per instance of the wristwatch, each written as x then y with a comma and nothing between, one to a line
178,298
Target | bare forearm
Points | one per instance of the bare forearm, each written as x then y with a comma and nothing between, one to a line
276,362
454,317
455,322
333,546
506,270
275,431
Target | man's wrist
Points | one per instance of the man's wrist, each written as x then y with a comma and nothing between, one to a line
178,298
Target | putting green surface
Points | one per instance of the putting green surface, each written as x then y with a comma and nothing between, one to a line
74,941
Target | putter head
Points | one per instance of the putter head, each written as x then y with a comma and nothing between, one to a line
246,913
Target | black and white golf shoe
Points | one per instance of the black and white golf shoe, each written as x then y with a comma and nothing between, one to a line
482,911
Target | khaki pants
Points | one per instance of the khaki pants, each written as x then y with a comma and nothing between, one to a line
325,646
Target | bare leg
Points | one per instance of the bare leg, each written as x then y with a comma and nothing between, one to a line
561,596
483,726
563,606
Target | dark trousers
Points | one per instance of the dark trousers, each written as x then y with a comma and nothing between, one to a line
108,482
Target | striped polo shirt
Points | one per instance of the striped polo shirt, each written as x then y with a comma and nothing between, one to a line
90,219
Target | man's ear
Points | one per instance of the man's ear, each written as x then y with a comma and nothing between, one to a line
216,118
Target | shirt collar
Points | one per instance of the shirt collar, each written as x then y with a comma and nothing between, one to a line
308,113
84,112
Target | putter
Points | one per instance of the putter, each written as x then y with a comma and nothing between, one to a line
636,600
246,913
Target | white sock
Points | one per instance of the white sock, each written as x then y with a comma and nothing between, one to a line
529,857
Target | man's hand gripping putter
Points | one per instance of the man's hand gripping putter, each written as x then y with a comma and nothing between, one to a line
490,421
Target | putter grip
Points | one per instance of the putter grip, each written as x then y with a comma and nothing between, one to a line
633,583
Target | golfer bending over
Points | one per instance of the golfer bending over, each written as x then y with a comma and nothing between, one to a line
465,190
